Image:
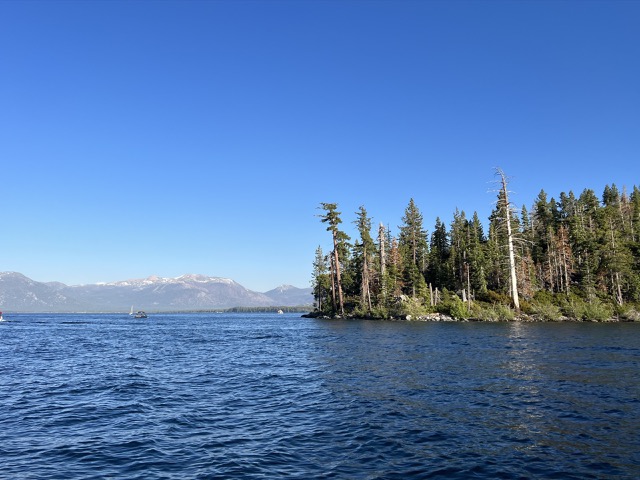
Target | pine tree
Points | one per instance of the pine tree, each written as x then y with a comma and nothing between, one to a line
365,258
321,281
585,243
459,265
634,243
616,259
332,217
477,256
635,214
563,259
394,269
413,248
496,271
439,251
526,266
542,229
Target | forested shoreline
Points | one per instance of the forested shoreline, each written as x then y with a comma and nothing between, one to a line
572,258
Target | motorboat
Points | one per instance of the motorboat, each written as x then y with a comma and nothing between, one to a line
138,314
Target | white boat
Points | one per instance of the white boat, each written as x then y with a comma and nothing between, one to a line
138,314
1,317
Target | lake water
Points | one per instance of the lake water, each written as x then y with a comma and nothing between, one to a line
209,396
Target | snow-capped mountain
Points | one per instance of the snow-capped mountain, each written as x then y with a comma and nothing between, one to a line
290,295
19,293
187,292
183,279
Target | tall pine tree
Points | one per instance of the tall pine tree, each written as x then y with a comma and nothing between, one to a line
413,248
332,218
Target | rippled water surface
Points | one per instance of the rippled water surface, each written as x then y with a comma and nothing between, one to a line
277,396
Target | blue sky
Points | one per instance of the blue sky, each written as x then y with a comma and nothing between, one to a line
166,137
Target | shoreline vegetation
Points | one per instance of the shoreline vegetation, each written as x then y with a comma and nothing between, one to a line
491,316
572,259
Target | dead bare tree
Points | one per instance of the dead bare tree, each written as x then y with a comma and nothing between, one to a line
507,208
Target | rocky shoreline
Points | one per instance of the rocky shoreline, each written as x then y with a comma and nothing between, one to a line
440,317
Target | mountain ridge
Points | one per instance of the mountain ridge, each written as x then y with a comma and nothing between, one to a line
187,292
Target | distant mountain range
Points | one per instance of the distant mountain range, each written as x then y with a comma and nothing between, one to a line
19,293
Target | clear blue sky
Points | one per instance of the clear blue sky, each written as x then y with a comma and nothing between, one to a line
172,137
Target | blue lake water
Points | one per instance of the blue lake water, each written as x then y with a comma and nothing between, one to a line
208,396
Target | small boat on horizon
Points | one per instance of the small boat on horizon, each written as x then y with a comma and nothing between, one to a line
138,314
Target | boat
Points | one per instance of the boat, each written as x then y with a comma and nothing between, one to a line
1,317
138,314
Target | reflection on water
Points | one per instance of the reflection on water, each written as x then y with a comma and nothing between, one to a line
518,393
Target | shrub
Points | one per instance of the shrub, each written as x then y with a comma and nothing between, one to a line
544,297
630,314
455,308
492,313
413,307
526,306
574,307
579,309
495,297
597,310
546,311
504,312
380,312
484,312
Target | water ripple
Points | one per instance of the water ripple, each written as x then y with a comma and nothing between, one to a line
265,396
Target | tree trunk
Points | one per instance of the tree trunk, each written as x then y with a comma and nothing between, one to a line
615,278
365,293
337,261
566,254
512,260
468,287
383,263
333,284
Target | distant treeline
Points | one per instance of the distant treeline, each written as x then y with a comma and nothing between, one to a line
576,257
299,309
296,309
